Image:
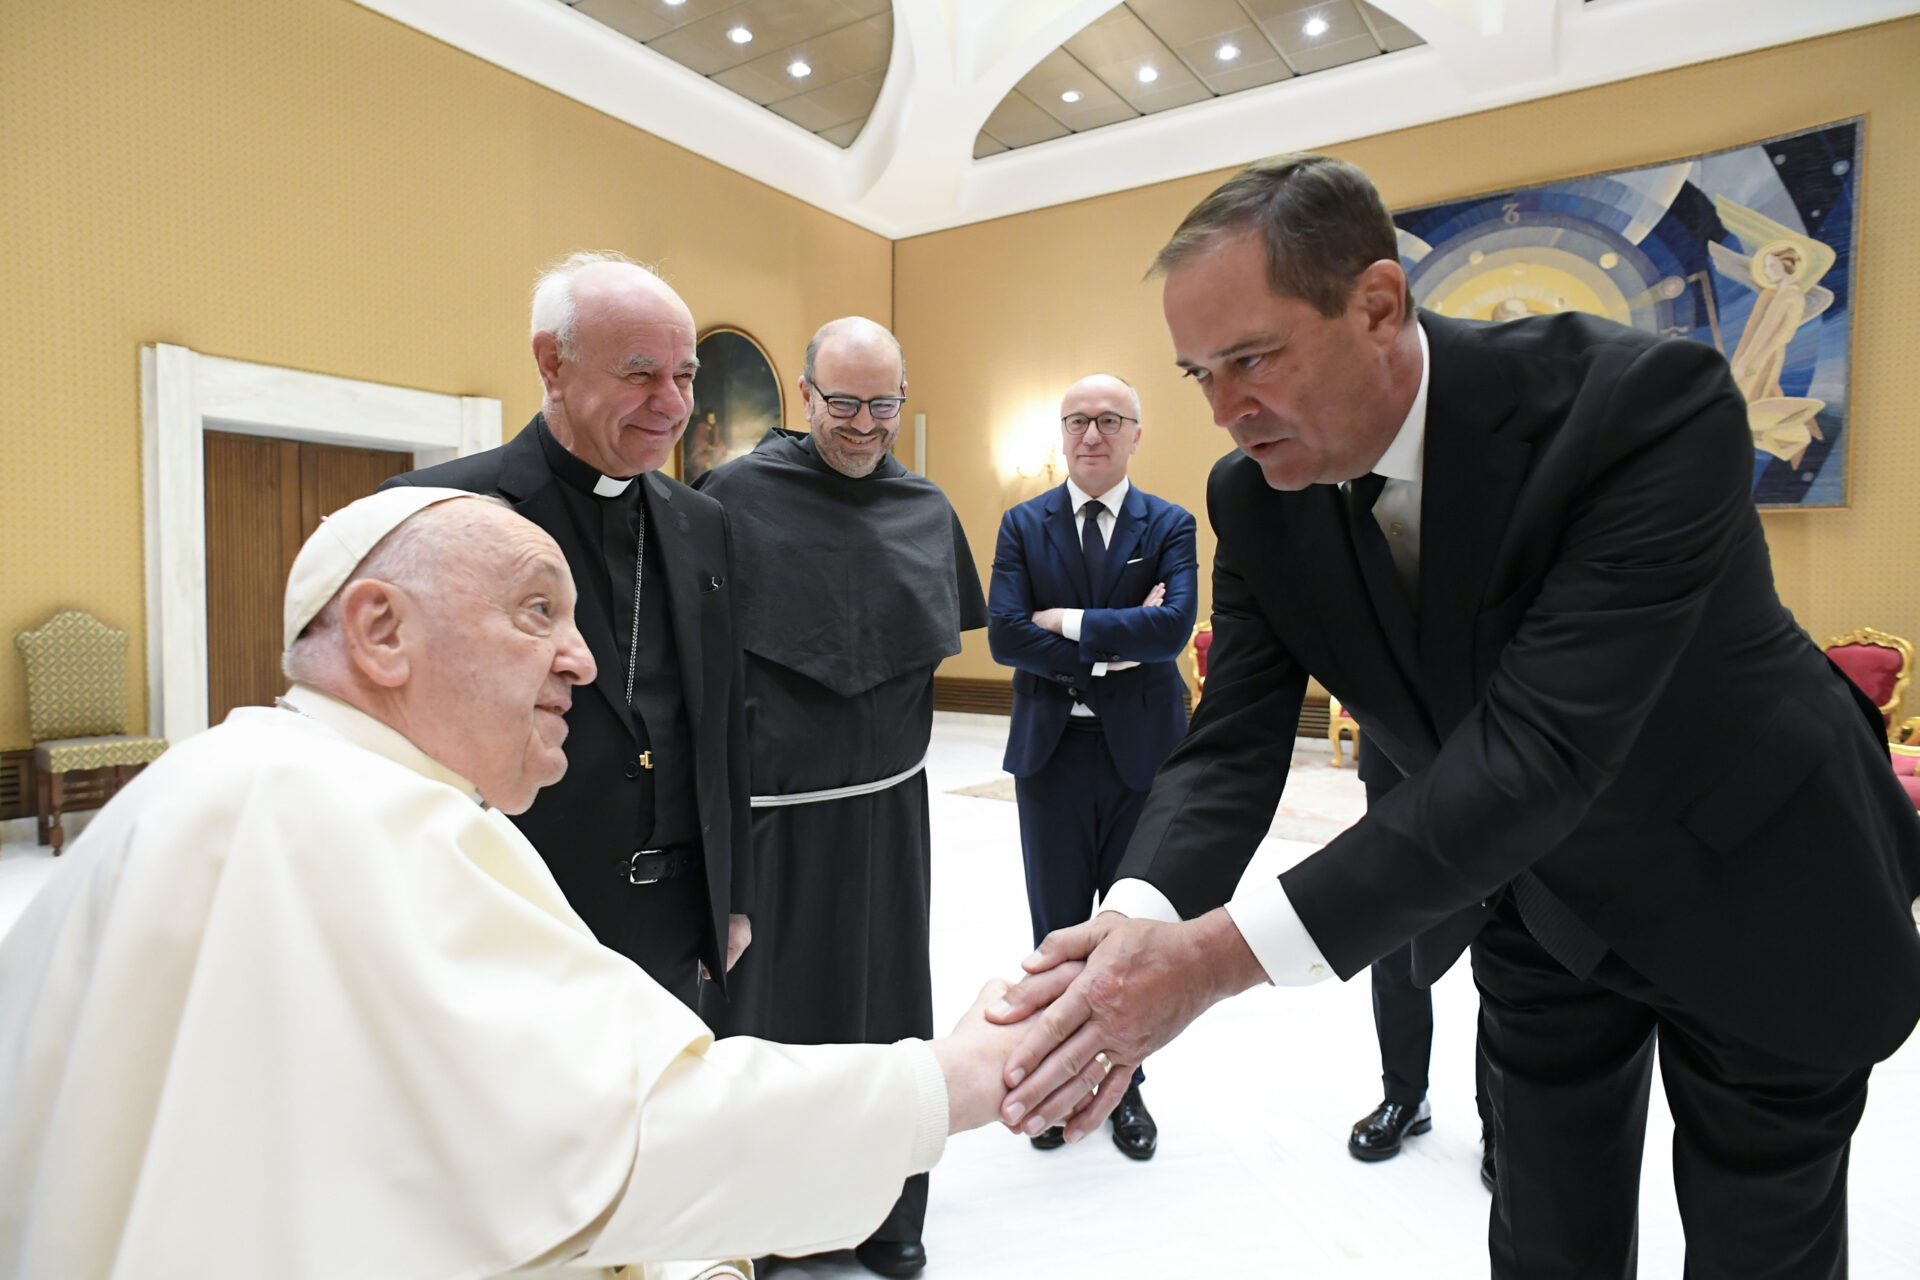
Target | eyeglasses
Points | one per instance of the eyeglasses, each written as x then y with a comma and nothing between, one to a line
1076,424
881,408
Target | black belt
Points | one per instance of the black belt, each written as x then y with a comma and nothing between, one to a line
650,866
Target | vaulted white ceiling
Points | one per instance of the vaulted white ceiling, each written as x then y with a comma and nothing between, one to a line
912,168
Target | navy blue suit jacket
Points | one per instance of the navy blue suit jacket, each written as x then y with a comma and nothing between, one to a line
1038,564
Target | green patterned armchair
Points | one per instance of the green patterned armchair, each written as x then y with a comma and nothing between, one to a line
77,713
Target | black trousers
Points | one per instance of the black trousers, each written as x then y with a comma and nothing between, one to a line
1403,1019
1760,1143
1076,816
659,927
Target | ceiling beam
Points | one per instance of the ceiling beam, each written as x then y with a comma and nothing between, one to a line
912,170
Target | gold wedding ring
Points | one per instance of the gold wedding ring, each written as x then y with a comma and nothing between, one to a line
1106,1063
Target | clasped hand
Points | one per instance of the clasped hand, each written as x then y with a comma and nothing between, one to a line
1097,999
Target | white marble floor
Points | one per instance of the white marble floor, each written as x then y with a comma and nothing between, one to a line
1254,1103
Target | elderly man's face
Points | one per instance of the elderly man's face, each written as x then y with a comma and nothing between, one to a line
502,655
1098,462
622,403
861,368
1306,396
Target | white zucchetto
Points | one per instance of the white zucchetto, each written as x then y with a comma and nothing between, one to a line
327,560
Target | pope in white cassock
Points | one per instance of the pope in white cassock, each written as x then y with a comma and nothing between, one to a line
302,1002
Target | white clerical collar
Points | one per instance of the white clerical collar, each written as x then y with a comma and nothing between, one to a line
608,487
361,729
1111,499
1405,458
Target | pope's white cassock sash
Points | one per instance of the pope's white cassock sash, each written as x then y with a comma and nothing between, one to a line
296,1005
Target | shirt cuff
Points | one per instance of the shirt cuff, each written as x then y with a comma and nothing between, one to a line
1141,901
1265,917
1099,669
930,1118
1070,624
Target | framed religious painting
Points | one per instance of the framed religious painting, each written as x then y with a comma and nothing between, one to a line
737,397
1750,249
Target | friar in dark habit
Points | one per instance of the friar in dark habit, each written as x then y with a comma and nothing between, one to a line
855,580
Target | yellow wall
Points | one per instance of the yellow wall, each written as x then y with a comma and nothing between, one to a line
999,318
305,183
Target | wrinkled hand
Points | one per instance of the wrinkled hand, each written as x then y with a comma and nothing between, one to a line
1142,983
1155,597
739,937
973,1058
739,934
1054,620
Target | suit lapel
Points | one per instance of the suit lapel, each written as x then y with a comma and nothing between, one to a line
1129,526
1472,476
669,525
1066,540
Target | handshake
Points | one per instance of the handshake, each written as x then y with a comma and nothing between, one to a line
1059,1047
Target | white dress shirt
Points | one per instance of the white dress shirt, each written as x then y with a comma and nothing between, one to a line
1260,908
1108,514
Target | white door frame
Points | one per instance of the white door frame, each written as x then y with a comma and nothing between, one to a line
183,394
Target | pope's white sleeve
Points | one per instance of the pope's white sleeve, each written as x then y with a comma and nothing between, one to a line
749,1147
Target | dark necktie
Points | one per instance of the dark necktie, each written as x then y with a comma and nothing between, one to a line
1093,546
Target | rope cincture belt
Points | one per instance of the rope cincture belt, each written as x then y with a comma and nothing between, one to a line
836,793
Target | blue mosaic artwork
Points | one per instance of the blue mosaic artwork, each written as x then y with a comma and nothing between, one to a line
1749,249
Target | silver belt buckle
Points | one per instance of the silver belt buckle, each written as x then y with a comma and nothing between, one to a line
633,866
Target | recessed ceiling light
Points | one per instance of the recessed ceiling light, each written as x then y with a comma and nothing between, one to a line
739,35
1146,75
1227,52
1071,95
673,4
1316,26
798,69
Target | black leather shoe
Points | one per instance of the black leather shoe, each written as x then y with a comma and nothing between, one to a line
892,1257
1377,1137
1134,1131
1489,1170
1048,1139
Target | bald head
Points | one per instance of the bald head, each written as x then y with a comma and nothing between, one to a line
457,631
850,363
615,348
1104,389
1097,460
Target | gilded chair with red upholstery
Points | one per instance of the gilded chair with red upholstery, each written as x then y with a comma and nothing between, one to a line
1197,654
1879,663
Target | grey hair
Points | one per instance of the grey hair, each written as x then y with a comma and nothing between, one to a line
1322,220
553,309
412,556
834,328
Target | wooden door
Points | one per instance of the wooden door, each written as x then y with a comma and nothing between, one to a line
264,497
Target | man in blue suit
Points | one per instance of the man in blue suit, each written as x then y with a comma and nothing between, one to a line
1093,599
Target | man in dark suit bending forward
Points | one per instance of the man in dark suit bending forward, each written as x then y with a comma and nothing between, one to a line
1526,559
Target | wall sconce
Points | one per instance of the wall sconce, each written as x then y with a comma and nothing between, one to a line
1047,465
1030,450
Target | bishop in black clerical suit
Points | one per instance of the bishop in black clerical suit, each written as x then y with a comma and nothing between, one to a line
853,588
664,767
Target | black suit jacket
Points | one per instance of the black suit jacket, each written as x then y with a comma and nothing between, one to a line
580,824
1600,686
